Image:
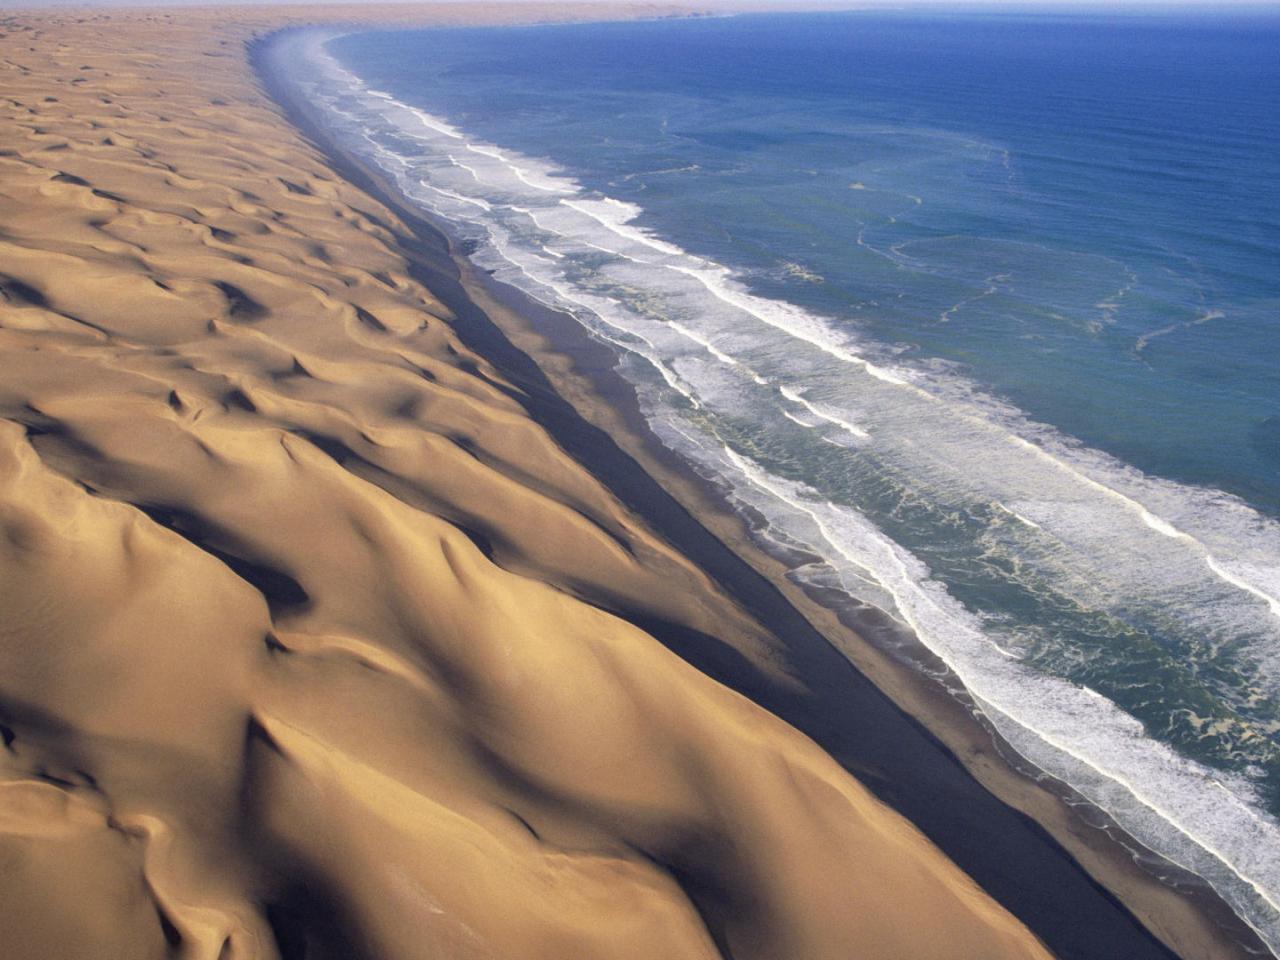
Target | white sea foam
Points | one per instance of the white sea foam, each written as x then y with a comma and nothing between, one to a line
1017,516
783,316
428,121
452,195
1111,749
616,216
530,173
1272,598
704,342
846,425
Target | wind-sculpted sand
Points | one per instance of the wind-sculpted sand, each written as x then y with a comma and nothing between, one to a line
314,644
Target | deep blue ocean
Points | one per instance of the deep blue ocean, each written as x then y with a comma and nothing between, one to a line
983,310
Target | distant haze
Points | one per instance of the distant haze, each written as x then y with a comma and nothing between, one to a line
1100,5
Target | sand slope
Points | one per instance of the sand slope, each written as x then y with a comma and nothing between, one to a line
314,644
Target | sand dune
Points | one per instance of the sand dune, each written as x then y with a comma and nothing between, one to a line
315,644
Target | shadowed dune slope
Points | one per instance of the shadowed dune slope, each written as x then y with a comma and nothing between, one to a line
314,644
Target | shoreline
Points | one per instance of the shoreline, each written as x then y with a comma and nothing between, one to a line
559,366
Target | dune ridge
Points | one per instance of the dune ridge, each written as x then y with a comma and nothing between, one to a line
315,644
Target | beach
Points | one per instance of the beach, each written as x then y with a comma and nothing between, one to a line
352,611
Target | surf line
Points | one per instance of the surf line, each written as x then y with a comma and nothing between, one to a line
821,338
759,478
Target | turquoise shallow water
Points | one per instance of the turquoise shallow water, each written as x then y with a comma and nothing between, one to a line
982,310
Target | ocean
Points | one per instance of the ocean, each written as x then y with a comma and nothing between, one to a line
976,317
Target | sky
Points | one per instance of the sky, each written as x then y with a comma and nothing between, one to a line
1202,5
1137,7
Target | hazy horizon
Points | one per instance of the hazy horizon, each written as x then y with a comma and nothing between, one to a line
1146,6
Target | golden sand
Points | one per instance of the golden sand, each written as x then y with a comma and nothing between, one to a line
314,642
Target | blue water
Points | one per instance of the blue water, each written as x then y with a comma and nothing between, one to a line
982,309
